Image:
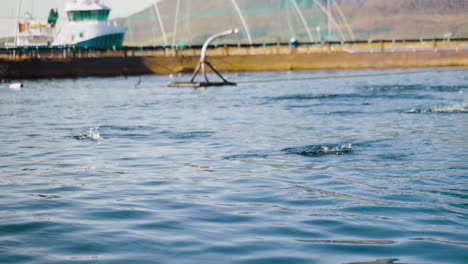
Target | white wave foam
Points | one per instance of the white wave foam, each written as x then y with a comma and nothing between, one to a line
456,108
336,149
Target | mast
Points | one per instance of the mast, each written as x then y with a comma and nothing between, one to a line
17,28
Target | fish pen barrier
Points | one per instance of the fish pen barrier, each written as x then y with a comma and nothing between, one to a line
371,46
64,62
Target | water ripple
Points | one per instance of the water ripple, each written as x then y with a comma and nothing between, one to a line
331,171
416,87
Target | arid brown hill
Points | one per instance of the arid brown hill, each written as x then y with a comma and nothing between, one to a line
279,21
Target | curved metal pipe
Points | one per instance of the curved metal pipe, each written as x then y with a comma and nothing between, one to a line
202,65
210,39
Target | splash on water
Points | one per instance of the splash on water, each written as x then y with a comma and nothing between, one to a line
89,134
320,150
455,108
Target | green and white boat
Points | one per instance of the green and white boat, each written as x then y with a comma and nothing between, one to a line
88,26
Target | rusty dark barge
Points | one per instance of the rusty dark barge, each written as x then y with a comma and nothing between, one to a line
31,63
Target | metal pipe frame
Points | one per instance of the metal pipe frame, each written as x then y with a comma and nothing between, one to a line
203,62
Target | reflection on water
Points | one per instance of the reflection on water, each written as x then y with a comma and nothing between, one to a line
348,170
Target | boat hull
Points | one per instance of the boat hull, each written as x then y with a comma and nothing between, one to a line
90,34
107,41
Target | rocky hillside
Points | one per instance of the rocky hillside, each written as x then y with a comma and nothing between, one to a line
278,20
405,19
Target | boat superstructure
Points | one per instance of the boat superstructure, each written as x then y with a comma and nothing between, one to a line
88,26
34,33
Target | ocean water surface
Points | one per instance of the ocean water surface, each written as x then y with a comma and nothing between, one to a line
329,170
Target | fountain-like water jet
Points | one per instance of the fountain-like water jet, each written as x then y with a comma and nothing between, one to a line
328,19
187,31
161,25
154,34
348,27
288,18
304,22
331,19
176,20
244,24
